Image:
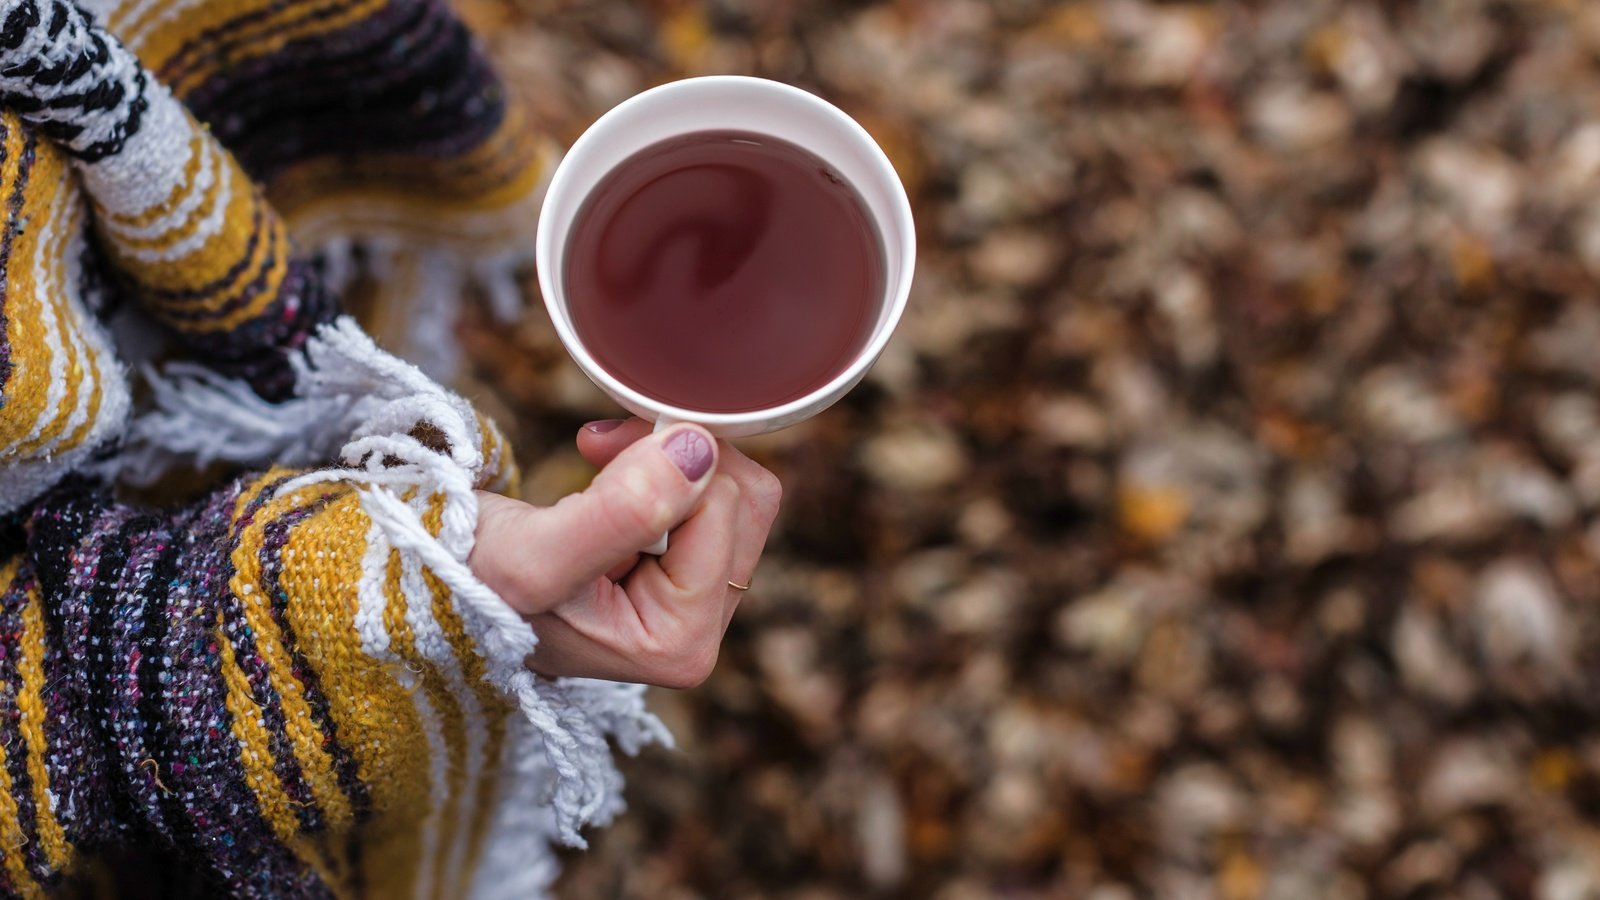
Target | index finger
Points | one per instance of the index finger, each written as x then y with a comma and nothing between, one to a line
600,442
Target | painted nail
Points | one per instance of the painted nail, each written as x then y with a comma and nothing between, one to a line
690,452
604,426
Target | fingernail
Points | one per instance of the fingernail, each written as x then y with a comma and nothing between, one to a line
604,426
690,452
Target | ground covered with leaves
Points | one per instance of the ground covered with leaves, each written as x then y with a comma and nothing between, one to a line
1222,522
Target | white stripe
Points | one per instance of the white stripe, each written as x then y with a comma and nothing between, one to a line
76,337
517,862
370,599
434,646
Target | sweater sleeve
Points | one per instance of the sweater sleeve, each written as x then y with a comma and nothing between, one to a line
250,680
189,235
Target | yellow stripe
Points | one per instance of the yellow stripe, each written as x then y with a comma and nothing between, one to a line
30,702
255,748
81,433
445,697
255,742
70,319
453,727
12,839
117,23
451,720
397,868
95,347
504,477
28,388
305,738
159,47
272,282
272,240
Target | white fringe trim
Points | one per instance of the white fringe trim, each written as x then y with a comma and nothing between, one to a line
363,405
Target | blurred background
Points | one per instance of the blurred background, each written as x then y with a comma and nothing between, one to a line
1222,522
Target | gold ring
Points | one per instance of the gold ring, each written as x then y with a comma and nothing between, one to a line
741,587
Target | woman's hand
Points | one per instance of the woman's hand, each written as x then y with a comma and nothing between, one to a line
574,570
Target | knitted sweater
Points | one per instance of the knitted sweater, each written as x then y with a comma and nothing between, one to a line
292,685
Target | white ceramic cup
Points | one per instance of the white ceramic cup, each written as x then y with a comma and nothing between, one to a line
746,104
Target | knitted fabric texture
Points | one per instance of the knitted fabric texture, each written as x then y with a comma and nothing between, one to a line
293,685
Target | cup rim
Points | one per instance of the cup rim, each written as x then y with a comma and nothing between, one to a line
836,387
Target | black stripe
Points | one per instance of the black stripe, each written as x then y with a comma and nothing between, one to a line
275,537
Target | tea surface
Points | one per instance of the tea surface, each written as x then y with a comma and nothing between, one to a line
724,271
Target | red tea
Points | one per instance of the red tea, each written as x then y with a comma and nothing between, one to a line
724,271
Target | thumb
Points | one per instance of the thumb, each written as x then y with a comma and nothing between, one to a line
646,490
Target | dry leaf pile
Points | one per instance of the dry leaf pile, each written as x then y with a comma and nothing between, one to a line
1223,520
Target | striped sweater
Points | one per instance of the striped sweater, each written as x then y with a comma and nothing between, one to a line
291,686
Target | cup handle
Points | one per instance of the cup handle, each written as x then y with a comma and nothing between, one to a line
660,546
